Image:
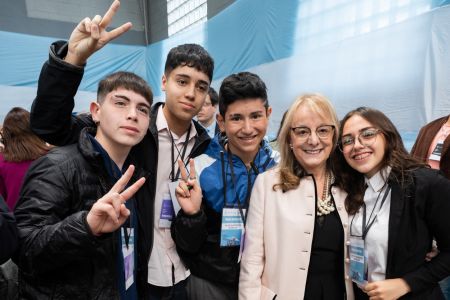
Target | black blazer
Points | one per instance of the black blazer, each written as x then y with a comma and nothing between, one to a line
419,212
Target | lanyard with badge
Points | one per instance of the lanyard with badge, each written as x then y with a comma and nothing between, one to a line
358,253
169,202
437,151
128,241
233,218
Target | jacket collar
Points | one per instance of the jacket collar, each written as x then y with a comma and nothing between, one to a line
265,158
95,157
202,134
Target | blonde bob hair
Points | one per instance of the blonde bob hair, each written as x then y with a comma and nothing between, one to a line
290,170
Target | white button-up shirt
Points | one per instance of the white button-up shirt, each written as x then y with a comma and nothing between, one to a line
376,241
164,260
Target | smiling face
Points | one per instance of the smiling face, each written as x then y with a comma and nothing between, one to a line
245,125
186,89
311,152
123,118
364,159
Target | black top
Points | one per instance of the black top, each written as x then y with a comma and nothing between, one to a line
325,273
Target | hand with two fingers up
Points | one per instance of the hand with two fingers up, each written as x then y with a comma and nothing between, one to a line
91,35
110,212
188,191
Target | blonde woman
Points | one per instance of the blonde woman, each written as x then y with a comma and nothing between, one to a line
297,223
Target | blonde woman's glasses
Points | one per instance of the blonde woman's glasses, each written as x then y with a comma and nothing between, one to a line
323,132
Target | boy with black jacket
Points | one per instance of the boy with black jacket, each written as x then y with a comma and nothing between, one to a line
76,212
172,135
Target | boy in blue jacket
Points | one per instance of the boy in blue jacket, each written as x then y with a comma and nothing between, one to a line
208,227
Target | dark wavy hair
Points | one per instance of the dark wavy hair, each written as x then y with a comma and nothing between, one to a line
20,142
395,156
191,55
241,86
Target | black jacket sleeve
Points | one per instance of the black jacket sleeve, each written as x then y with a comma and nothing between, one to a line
189,232
52,233
8,232
51,113
433,197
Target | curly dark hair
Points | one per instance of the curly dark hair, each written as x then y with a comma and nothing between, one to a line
191,55
241,86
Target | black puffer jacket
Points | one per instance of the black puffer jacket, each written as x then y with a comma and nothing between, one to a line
52,120
8,232
59,257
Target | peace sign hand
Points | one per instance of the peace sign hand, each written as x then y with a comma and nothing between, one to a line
91,35
110,212
188,191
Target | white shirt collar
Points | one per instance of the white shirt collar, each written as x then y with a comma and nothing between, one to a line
161,124
378,181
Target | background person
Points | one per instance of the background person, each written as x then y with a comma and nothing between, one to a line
404,205
22,147
295,240
207,115
433,144
432,147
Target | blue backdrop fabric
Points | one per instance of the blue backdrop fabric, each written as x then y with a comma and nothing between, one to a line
396,59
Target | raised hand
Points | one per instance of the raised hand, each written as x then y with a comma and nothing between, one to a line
188,191
110,212
91,35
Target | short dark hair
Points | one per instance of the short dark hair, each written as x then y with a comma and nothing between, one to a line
191,55
241,86
126,80
213,96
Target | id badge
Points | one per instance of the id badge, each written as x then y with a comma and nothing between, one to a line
436,154
232,227
128,256
172,188
167,213
358,261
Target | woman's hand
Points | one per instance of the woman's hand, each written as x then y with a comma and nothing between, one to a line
188,191
388,289
432,254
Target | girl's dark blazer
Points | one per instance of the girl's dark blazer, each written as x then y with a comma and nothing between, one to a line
419,212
